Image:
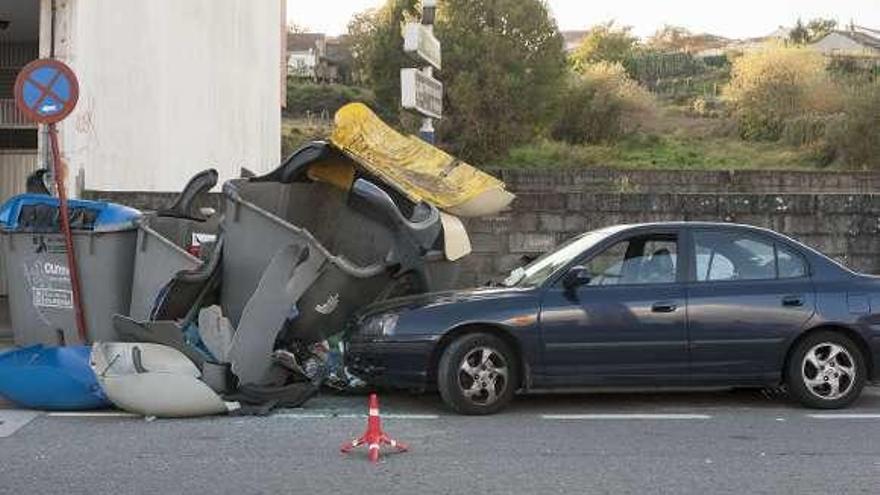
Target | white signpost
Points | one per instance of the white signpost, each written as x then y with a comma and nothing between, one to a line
419,91
419,42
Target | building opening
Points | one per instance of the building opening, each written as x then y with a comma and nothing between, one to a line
19,44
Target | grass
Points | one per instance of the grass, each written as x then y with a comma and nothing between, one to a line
674,141
662,152
297,132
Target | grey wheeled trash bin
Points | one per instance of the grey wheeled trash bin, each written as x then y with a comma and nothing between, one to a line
40,295
161,255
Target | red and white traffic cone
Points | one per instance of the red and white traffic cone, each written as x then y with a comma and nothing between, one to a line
374,437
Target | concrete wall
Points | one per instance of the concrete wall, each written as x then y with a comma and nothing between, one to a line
844,226
837,213
678,181
169,87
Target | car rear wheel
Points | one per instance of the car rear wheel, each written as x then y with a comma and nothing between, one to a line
826,371
477,374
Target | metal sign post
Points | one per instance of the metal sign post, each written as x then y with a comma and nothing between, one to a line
46,91
419,90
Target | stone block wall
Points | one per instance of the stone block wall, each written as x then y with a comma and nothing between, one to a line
837,213
844,226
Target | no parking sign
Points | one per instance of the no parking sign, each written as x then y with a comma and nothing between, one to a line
46,91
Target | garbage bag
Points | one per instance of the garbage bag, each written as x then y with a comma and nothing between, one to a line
154,380
52,378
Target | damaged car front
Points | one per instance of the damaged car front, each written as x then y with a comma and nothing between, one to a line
398,343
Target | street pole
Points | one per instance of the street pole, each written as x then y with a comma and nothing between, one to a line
58,172
419,90
429,10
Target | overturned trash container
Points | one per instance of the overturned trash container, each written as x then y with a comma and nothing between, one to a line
40,294
347,249
162,255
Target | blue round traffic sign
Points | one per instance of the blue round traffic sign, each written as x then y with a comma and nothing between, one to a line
46,90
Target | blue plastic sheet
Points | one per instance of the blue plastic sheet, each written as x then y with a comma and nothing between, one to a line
50,378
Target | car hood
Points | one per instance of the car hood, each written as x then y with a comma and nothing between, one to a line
444,298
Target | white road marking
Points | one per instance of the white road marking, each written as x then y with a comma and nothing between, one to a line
92,414
351,416
845,416
625,416
13,420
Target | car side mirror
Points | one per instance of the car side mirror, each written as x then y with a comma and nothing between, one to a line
576,277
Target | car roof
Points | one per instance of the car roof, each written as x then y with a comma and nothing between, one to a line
683,223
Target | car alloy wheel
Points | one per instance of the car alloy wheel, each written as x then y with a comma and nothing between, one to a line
483,376
829,371
477,374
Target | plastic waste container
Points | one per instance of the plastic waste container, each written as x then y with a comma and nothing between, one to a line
368,242
161,254
40,295
157,260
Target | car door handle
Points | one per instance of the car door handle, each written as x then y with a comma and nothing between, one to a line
664,307
793,301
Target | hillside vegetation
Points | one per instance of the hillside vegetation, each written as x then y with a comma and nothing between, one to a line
521,101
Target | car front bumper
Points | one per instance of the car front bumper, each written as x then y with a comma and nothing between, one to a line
392,364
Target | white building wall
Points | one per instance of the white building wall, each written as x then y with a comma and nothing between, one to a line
168,88
836,43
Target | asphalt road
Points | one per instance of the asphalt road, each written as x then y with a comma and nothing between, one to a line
708,442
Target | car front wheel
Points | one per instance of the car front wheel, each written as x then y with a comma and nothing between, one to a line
477,374
826,371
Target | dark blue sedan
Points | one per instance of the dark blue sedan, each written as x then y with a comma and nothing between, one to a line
665,304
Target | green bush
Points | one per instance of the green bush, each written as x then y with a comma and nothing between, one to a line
855,139
601,104
315,98
707,106
648,66
805,130
774,84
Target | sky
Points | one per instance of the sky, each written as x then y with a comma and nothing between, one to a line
733,19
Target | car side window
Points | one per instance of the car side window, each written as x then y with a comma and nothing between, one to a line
790,264
646,259
736,256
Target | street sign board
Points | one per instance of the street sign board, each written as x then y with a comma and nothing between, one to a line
419,41
46,91
421,92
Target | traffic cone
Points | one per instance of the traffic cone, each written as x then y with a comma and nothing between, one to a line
374,437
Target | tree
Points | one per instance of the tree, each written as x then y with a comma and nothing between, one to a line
296,28
377,51
503,66
819,27
605,43
799,34
671,39
813,31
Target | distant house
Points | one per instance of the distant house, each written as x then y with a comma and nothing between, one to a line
780,35
303,54
856,41
318,57
573,39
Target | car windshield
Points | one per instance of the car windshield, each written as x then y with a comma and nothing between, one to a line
536,272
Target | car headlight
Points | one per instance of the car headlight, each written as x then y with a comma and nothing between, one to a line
380,325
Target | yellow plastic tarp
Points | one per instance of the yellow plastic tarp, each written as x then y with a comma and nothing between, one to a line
420,171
